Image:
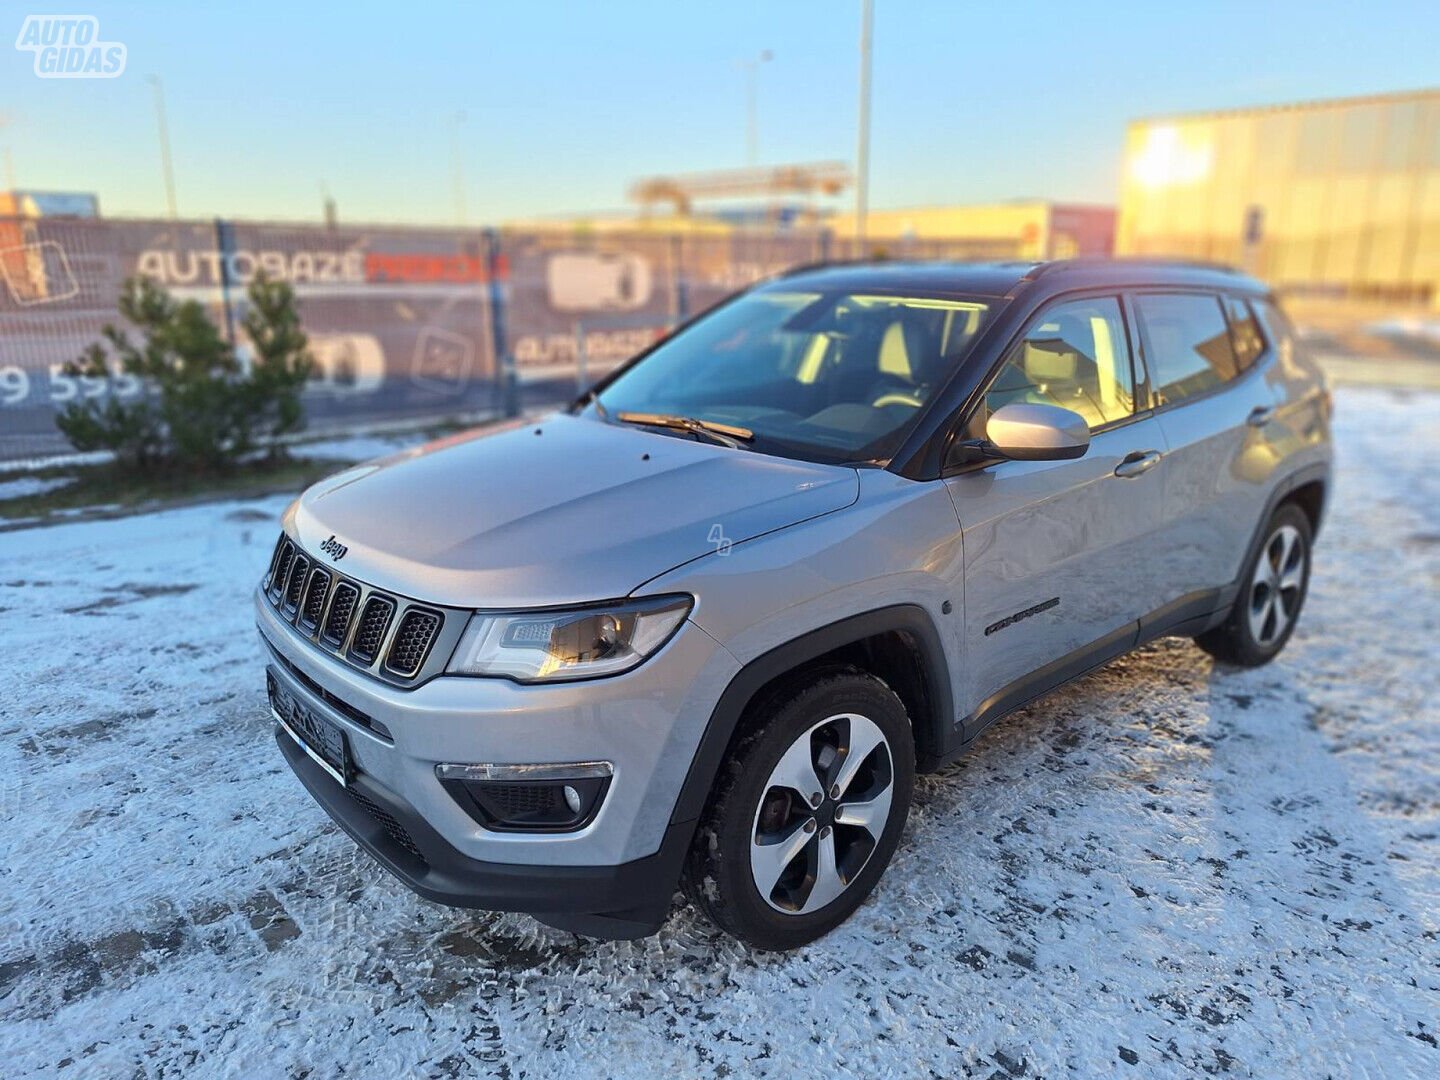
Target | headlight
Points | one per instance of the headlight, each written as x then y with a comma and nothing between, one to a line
541,646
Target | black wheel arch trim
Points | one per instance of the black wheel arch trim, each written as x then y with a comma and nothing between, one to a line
1319,472
910,619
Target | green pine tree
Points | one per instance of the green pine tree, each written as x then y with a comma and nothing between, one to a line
200,409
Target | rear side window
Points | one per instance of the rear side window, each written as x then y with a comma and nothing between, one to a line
1277,328
1244,332
1187,344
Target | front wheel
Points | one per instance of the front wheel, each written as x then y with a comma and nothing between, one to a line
1275,583
807,812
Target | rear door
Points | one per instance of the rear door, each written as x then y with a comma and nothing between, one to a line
1207,365
1059,554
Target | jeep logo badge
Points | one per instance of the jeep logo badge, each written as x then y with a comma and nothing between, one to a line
334,548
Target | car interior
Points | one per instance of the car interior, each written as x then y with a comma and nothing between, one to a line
842,372
1075,359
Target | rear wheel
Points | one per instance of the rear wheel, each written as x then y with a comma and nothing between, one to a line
1276,580
807,813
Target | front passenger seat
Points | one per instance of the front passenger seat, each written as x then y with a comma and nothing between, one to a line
1052,367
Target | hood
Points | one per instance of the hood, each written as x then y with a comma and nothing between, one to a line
563,511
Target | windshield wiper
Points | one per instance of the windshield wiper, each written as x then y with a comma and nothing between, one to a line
724,434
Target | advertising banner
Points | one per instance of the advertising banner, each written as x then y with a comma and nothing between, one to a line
398,319
404,323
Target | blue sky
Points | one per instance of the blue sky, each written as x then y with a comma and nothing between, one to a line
566,103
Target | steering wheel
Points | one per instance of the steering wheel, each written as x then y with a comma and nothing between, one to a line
896,398
893,390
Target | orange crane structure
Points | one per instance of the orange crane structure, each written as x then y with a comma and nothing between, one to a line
682,190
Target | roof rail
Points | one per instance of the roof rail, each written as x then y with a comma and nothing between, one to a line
1123,260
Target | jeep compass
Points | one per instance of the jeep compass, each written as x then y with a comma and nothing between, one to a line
704,627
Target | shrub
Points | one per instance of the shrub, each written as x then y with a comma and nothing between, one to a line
199,407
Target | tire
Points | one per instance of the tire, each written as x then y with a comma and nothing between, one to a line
1272,593
757,828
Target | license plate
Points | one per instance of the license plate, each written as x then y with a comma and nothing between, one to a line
322,740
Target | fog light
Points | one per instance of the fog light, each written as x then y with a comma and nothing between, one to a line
528,798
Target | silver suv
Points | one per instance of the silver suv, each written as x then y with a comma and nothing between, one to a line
705,626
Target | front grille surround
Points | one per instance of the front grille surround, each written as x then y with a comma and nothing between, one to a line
389,637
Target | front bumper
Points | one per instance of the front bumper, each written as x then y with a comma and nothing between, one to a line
623,864
624,901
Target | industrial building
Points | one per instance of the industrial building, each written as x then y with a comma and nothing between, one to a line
1018,229
1339,197
1021,229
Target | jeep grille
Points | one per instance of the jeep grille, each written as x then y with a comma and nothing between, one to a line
389,636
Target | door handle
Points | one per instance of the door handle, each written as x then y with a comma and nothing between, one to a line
1260,415
1137,462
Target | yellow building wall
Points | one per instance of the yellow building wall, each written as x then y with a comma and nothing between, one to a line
1023,224
1349,191
1027,229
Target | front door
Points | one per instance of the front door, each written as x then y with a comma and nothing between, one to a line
1058,564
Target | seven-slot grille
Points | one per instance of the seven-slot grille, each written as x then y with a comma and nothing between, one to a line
358,623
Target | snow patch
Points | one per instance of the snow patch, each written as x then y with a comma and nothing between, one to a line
1167,865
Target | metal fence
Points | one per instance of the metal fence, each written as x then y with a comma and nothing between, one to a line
404,323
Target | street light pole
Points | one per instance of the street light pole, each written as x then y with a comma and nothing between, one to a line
752,109
862,149
165,162
457,172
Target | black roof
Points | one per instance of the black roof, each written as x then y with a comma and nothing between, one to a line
1003,278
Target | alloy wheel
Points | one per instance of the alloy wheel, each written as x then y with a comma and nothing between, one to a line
824,808
1276,585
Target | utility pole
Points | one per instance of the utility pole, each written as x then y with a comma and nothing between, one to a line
457,172
752,108
862,149
165,163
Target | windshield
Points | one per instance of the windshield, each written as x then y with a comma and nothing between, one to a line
826,376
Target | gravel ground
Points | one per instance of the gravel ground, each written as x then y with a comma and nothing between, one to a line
1163,868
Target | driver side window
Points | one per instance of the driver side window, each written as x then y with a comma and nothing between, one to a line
1074,355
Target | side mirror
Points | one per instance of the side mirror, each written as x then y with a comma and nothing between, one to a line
1036,433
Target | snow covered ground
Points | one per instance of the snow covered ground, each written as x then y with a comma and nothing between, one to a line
1163,868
